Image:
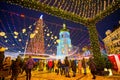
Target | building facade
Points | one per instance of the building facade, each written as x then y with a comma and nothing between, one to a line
64,45
112,41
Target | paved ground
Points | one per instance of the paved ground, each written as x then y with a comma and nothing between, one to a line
37,75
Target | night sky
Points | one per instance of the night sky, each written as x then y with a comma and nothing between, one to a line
15,18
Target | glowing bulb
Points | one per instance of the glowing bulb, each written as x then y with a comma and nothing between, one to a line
55,37
2,49
2,33
30,27
15,36
54,42
32,35
6,40
5,36
13,44
52,38
50,31
36,31
48,45
23,30
37,28
20,40
6,48
16,33
58,41
48,34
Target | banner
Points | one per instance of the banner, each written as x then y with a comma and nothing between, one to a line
113,61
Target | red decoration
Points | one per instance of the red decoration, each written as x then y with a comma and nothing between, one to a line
113,61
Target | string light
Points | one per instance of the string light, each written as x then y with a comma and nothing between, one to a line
16,33
2,33
15,36
23,30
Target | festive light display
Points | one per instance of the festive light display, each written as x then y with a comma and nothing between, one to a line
36,43
17,43
64,42
79,11
87,12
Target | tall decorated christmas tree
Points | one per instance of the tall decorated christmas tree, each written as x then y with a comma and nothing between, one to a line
36,43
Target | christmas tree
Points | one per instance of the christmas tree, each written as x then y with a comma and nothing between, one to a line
36,42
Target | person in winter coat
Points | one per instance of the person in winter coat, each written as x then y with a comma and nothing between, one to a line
15,67
80,67
29,66
92,67
73,66
67,65
50,65
84,65
59,66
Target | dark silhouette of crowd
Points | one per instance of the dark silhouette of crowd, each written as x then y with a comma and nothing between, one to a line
60,67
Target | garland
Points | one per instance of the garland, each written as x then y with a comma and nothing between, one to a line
34,5
49,10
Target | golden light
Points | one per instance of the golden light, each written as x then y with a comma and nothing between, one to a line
2,33
15,36
108,32
23,30
48,34
2,49
52,38
48,45
69,49
55,37
84,48
19,40
36,31
37,28
32,35
58,41
16,33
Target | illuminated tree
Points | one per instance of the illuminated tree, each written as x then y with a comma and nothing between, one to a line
36,43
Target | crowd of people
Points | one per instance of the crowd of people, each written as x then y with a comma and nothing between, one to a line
60,67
